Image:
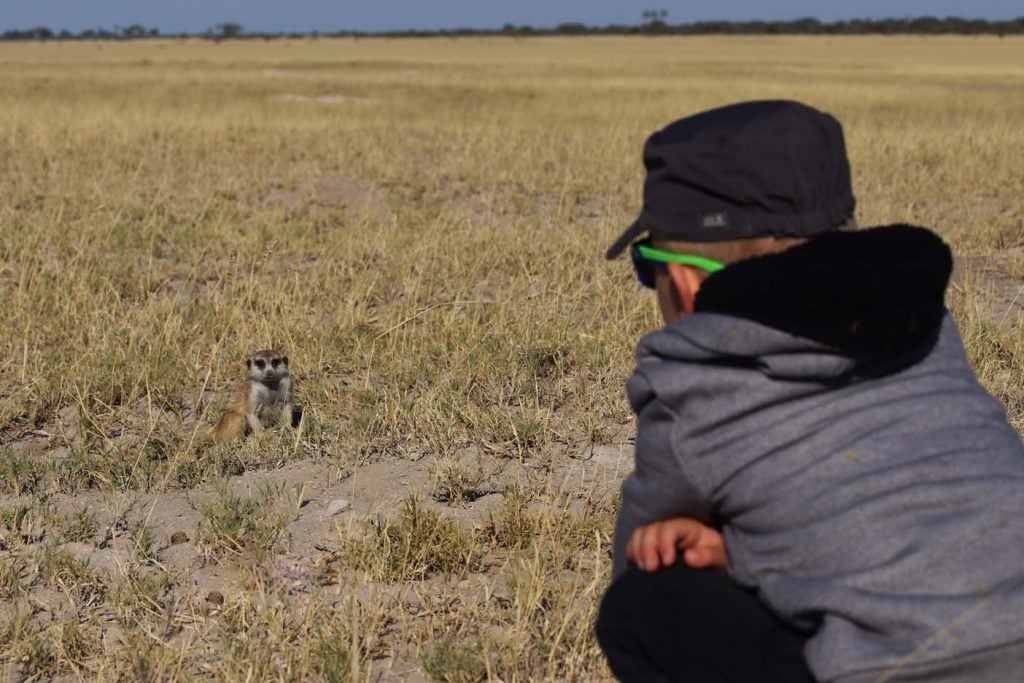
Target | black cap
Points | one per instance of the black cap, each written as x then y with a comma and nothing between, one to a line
753,169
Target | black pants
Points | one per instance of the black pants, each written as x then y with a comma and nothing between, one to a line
682,624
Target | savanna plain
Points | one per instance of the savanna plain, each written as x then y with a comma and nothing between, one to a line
420,225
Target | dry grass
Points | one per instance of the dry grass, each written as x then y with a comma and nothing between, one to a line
420,225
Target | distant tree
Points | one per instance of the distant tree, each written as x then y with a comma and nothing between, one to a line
654,20
42,33
134,31
806,25
571,28
228,29
526,29
36,33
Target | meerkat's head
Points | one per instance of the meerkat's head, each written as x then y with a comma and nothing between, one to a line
268,366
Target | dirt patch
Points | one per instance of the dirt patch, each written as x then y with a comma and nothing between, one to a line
357,198
507,201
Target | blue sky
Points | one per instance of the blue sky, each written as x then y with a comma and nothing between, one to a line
327,15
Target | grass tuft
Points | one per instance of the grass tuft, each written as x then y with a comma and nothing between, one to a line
456,662
235,525
417,544
19,473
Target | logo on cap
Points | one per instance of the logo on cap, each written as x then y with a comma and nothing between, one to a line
714,220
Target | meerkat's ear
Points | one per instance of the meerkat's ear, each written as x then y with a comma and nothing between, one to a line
284,359
248,362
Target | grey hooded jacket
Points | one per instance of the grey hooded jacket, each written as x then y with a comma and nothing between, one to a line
865,484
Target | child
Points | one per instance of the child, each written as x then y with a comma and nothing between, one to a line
807,422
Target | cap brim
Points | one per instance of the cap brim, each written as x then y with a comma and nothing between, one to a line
631,233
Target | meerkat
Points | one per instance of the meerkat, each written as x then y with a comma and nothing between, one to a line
262,400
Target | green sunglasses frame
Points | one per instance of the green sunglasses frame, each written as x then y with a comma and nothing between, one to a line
643,251
659,256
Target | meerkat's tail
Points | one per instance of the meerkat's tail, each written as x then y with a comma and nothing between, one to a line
229,427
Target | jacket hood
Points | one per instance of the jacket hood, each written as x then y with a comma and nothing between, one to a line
866,303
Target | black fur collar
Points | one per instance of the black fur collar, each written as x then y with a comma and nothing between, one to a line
868,293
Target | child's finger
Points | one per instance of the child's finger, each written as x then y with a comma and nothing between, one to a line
687,532
715,555
708,552
647,549
633,547
667,541
697,558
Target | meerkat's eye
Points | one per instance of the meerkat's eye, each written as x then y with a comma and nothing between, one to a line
260,363
275,362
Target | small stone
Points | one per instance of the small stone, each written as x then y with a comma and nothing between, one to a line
337,506
215,598
179,537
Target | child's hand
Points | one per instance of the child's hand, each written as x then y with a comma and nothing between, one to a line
656,545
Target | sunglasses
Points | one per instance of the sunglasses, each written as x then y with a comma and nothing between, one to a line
646,258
